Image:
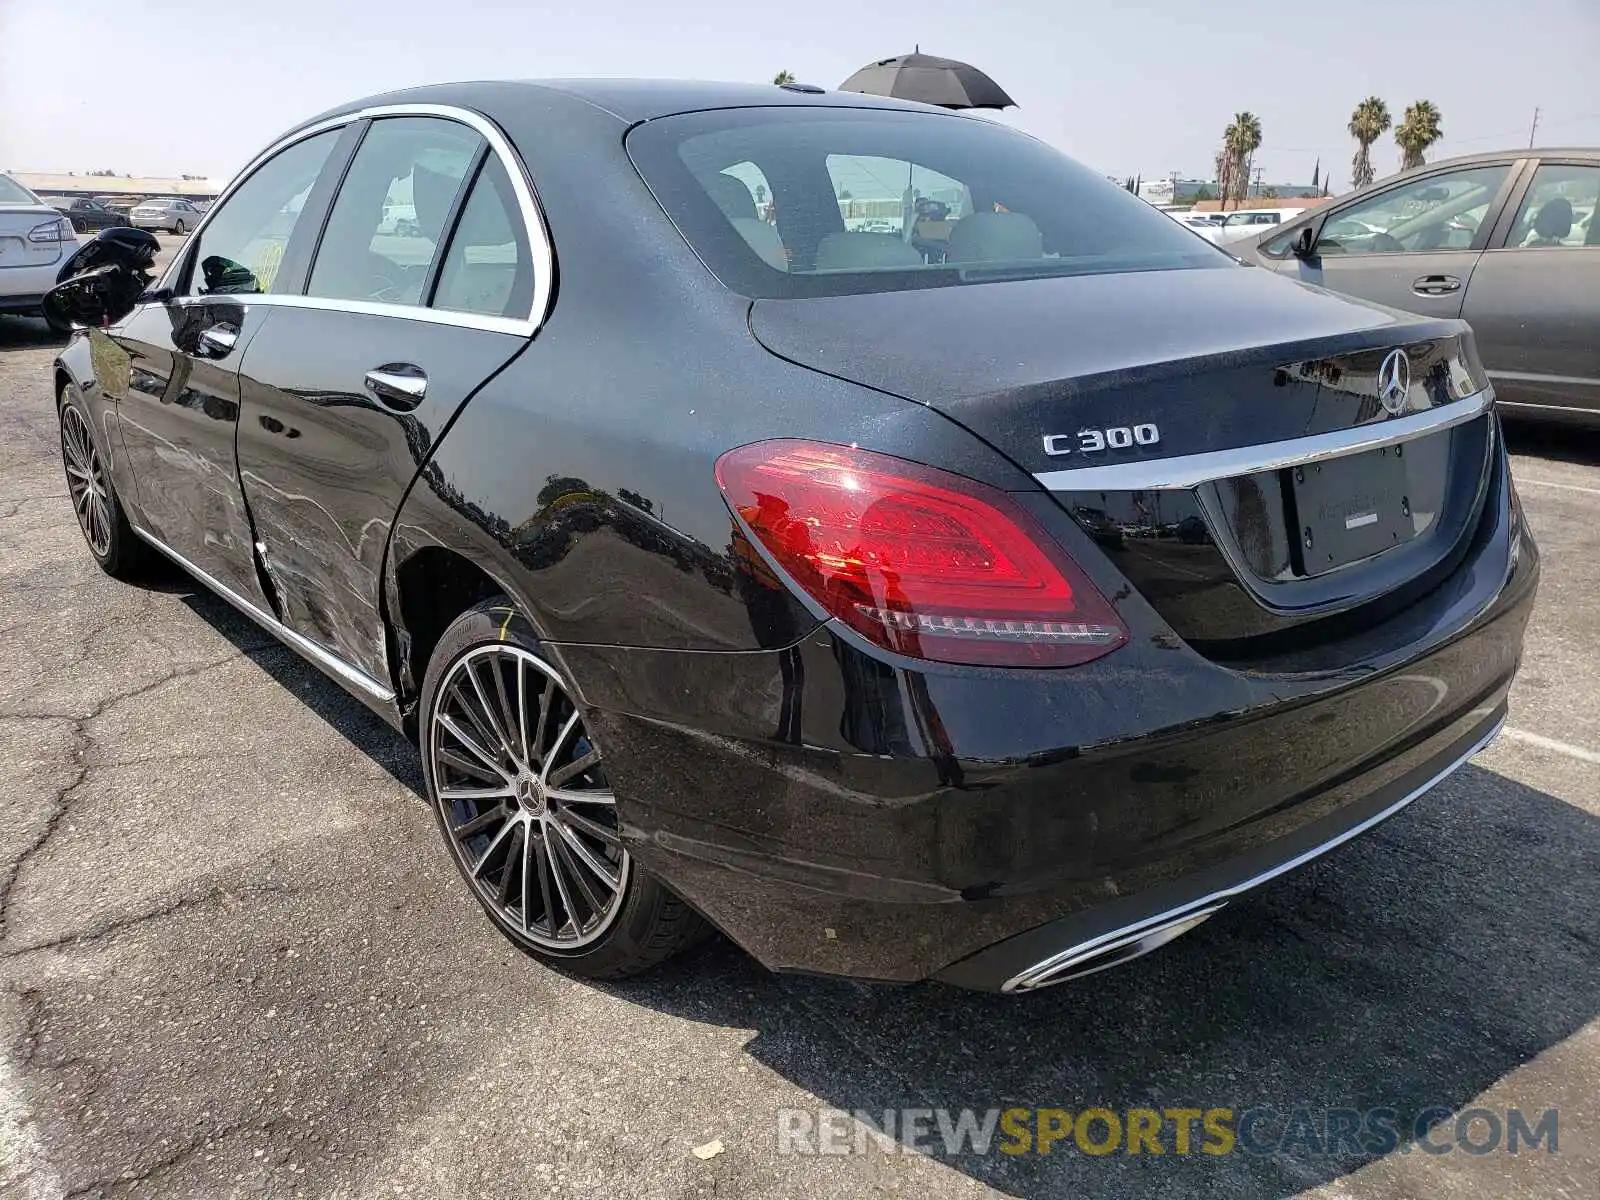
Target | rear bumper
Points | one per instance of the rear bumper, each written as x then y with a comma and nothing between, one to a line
838,814
1118,931
22,288
26,303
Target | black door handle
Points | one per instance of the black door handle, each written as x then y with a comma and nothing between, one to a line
400,386
1435,285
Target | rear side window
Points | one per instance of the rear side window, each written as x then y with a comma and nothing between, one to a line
863,200
488,269
242,245
12,192
392,207
1559,209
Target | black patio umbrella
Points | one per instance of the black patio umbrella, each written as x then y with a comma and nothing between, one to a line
930,80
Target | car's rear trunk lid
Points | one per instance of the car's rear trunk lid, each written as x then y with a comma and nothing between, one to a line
16,222
1254,456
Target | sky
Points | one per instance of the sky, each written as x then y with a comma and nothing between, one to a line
1130,87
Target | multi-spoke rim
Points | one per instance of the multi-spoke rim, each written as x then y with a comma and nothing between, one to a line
86,480
524,798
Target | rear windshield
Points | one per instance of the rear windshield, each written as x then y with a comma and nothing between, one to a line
12,192
793,202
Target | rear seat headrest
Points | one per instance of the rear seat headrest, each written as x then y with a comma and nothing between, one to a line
995,237
864,252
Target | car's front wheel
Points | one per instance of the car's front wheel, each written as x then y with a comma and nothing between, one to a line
105,526
519,787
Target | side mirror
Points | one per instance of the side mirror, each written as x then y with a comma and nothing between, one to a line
1304,246
104,279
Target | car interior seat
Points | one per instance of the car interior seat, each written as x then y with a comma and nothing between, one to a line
1553,224
865,252
994,237
739,206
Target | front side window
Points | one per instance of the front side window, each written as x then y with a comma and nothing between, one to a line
1559,209
242,245
1442,212
488,268
389,217
866,200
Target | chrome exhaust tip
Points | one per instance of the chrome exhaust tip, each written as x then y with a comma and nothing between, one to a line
1107,951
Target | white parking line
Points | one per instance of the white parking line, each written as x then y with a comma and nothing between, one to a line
1544,743
1565,487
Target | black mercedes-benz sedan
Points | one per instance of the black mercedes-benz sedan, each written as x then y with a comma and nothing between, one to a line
851,525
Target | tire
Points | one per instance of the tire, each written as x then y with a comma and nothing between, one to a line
578,902
177,228
79,227
111,540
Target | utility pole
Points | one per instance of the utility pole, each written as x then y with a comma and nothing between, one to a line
1258,182
1534,128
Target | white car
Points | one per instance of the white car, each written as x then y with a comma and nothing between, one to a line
35,240
173,212
1249,222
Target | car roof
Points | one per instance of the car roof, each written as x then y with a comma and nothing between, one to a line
1517,152
629,100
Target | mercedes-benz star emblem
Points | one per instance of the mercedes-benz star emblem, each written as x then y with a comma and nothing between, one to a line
1394,382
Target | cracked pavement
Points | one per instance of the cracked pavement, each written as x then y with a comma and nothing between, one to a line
235,961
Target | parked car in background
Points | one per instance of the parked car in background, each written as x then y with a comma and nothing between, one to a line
35,239
1507,240
1242,224
173,213
992,612
87,213
1197,221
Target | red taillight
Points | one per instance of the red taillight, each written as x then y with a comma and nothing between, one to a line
918,560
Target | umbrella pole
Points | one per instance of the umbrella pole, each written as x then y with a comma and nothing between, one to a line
908,208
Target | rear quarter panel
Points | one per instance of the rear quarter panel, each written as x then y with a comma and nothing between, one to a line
581,478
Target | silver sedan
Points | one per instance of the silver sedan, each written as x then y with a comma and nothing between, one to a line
172,213
1509,242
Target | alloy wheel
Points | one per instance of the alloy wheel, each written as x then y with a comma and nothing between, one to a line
524,799
86,481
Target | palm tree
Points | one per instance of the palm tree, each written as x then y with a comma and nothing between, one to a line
1240,141
1417,132
1367,125
783,77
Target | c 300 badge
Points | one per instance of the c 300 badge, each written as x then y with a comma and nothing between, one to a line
1089,441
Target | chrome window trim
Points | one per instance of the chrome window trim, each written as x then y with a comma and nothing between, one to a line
352,677
538,234
1191,470
405,312
1056,968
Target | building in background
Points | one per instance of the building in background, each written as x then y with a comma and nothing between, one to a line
68,185
1173,191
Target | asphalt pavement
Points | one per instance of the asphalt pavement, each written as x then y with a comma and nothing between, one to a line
236,960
